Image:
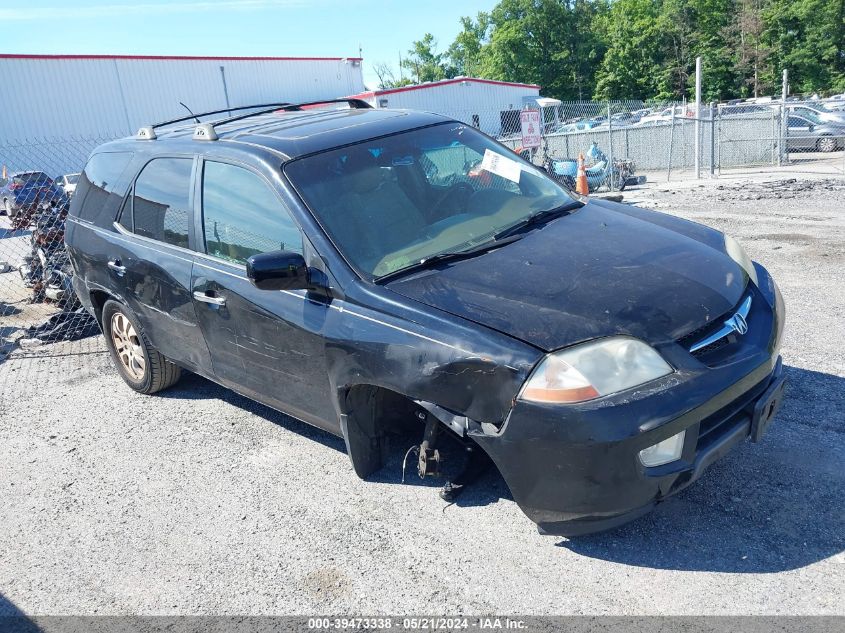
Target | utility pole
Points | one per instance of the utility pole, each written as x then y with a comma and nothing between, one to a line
698,118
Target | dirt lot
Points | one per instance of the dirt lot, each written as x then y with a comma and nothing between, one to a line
200,501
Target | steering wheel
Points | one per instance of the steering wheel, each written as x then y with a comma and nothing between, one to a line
462,188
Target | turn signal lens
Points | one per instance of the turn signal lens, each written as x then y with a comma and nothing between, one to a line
594,369
555,380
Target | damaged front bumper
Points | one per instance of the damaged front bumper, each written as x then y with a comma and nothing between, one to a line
578,478
576,469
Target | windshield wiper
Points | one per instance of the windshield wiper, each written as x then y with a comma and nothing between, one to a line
541,217
449,256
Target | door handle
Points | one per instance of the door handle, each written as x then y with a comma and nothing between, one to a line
116,267
215,301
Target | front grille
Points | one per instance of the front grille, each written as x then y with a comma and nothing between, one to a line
715,345
721,350
714,426
688,340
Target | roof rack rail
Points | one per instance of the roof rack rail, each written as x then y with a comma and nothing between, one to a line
147,133
355,104
206,132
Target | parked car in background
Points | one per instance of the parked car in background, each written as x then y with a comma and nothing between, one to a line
27,189
836,105
817,112
619,120
813,135
745,109
576,126
665,115
68,183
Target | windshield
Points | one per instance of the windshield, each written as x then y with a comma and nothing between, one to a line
809,115
72,178
389,203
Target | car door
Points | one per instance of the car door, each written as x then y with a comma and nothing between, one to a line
799,131
151,262
267,344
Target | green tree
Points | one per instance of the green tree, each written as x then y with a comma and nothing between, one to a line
424,62
465,55
750,52
645,49
632,64
714,38
548,42
807,38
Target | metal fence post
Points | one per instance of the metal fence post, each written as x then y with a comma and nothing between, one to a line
697,141
671,140
784,92
712,139
719,140
610,144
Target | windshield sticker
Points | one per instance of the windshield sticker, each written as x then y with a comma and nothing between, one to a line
501,165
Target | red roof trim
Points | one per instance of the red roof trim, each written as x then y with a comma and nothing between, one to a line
447,82
184,57
365,95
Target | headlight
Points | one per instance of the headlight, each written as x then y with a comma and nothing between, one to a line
592,370
738,254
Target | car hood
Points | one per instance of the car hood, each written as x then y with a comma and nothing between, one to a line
606,269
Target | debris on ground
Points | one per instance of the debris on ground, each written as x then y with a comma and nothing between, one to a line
64,326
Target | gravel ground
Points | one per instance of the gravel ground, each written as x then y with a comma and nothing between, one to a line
198,501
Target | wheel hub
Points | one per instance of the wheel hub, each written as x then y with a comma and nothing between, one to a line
127,345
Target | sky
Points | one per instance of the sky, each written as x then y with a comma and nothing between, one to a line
295,28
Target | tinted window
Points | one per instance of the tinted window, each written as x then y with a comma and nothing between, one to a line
102,186
161,201
242,216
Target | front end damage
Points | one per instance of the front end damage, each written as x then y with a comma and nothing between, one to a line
575,469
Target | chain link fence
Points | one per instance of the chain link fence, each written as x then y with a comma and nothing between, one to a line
41,321
622,140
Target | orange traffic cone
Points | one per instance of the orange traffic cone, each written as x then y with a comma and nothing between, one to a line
581,184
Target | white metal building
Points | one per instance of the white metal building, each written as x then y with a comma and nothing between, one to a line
51,105
492,106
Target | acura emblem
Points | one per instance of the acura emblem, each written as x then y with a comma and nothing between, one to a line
738,323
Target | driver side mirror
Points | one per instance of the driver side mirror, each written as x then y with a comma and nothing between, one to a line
278,270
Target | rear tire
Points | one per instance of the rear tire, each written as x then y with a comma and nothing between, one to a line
141,365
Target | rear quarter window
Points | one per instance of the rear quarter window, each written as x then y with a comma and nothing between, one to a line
102,186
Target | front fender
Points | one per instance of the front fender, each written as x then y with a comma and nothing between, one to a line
462,367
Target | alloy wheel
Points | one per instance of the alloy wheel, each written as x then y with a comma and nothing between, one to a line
127,344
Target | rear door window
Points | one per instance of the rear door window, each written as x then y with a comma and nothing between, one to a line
243,216
161,201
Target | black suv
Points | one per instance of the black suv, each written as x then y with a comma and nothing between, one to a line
359,269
